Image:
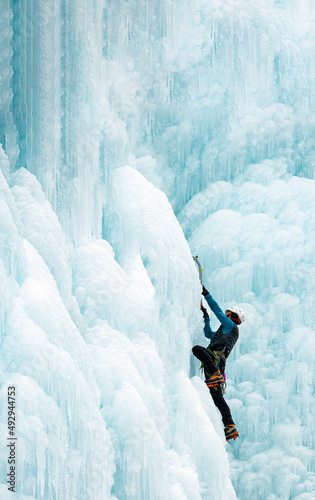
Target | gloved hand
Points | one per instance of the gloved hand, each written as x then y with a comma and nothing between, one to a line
204,312
204,291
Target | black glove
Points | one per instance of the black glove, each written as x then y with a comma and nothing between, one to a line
204,312
204,291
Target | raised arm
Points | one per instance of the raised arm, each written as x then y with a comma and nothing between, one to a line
226,322
207,329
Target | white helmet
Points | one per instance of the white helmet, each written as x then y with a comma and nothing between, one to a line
237,310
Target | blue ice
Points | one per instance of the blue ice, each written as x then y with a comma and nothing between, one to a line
133,136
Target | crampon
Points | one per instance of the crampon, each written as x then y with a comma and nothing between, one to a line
231,432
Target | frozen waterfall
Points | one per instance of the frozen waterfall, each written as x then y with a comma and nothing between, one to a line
133,135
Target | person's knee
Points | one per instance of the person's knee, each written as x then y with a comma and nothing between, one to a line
196,349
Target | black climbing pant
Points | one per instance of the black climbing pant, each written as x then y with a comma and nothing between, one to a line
205,357
221,404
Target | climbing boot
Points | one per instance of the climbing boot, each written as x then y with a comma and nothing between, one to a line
231,432
215,379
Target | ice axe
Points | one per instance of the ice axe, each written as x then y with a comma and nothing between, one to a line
195,257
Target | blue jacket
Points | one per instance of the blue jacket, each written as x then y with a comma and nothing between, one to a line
226,336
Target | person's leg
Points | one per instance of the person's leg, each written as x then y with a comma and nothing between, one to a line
204,356
230,430
222,405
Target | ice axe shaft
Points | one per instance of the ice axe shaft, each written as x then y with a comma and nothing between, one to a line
199,267
195,257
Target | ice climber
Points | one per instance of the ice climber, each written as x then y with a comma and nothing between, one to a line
214,356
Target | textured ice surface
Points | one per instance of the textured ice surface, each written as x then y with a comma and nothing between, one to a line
266,244
113,117
99,350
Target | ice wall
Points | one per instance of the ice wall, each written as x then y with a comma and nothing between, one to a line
97,313
97,341
212,103
259,252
